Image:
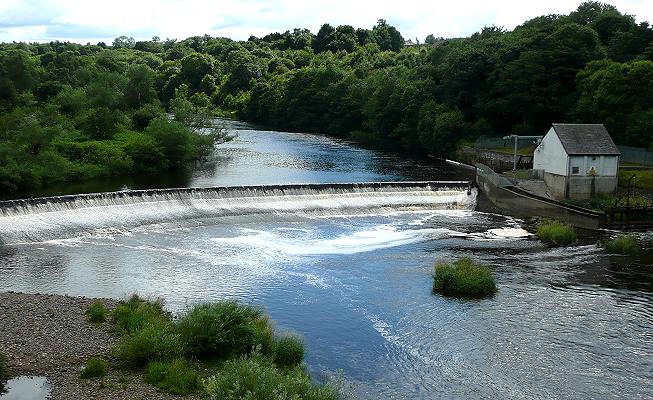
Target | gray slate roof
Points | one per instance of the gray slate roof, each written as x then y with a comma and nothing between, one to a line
586,139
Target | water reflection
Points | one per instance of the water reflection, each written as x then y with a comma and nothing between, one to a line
27,388
258,157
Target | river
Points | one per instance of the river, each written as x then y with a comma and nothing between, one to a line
356,282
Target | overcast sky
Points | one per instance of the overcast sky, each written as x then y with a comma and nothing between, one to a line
92,21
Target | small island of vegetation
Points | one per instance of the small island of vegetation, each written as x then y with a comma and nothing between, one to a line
621,244
463,278
555,233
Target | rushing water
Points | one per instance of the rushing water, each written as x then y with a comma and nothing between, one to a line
356,281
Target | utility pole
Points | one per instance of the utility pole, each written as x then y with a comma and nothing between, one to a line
516,140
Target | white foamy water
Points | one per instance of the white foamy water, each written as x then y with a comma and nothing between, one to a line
379,237
55,218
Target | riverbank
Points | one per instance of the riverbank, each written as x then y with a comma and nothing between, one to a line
49,335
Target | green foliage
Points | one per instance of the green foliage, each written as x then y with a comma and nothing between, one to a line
288,351
604,202
622,244
463,278
95,367
224,329
133,314
256,377
176,376
555,233
97,312
155,340
642,179
4,372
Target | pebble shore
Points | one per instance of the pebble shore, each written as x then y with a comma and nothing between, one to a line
49,335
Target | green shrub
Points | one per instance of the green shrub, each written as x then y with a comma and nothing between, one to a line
4,371
256,377
156,340
132,315
555,233
97,312
176,376
622,244
463,278
95,367
223,329
288,351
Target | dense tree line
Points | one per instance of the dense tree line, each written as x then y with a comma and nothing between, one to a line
69,111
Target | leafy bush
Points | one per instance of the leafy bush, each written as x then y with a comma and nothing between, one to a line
622,244
4,371
288,351
603,202
95,367
463,278
133,314
555,233
97,312
156,340
223,329
643,179
256,377
176,376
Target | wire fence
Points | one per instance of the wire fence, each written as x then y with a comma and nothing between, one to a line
637,155
495,142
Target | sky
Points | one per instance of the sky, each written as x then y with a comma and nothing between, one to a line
93,21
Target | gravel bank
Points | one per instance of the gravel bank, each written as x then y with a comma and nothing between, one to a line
49,335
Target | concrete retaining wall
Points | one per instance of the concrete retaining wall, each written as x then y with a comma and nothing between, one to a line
579,187
497,160
520,203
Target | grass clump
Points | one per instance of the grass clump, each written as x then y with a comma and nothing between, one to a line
288,351
176,376
133,314
555,233
95,367
97,312
256,377
622,244
604,202
4,371
643,179
157,340
224,329
463,278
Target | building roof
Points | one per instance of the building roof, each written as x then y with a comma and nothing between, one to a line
586,139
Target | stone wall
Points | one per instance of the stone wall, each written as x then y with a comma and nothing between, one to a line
584,187
557,185
579,187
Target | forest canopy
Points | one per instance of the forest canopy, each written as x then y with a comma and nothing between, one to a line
70,111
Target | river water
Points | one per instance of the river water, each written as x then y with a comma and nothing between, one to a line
356,282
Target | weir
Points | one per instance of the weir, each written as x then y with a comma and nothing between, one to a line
47,218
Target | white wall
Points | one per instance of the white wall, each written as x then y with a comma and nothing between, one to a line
550,156
603,165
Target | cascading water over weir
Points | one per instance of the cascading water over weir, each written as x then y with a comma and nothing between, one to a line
47,218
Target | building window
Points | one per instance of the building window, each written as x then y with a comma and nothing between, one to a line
575,170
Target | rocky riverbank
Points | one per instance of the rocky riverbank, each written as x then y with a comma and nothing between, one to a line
49,335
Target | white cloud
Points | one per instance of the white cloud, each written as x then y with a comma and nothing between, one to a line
82,21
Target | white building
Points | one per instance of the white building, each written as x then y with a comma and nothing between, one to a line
578,161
